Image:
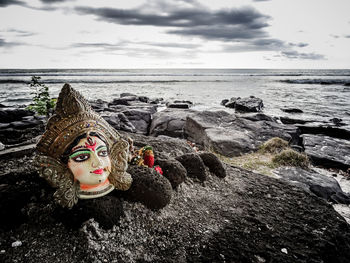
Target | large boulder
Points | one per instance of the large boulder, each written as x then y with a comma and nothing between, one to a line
169,122
230,135
119,121
251,104
327,151
323,186
140,119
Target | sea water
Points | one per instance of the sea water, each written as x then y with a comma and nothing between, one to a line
320,94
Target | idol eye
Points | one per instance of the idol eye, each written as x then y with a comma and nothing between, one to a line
103,153
81,157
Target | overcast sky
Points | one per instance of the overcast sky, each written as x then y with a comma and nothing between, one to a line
175,34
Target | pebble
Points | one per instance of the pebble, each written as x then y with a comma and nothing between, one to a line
17,244
2,251
284,250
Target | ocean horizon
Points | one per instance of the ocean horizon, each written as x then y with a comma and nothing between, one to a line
321,94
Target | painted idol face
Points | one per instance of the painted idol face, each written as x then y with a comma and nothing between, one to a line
90,163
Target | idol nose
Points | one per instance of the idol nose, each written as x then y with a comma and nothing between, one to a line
95,160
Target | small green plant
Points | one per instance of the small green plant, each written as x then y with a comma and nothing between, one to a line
290,157
274,145
42,103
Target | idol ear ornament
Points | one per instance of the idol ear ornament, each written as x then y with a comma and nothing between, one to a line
59,177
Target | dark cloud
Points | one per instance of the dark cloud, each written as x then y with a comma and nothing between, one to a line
230,24
5,44
297,55
141,49
128,44
19,33
53,1
4,3
260,0
263,44
301,44
347,36
225,33
334,36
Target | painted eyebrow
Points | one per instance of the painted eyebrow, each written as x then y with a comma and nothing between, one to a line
76,153
100,147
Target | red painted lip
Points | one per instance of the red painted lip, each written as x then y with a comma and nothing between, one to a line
99,171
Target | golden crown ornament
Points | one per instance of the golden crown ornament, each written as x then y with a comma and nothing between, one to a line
74,117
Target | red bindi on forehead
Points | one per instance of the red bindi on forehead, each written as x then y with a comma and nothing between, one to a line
91,143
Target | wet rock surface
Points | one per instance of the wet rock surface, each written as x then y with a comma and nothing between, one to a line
327,151
251,104
248,104
323,186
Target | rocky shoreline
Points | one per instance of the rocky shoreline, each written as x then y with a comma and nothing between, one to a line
200,210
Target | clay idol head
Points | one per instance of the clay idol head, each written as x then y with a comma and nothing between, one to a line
80,154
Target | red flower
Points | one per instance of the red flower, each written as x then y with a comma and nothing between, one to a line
158,169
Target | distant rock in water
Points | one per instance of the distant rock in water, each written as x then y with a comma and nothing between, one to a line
179,104
337,122
251,104
292,110
248,104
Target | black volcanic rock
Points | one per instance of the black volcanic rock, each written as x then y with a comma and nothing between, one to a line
246,217
213,163
148,187
105,210
194,165
173,170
